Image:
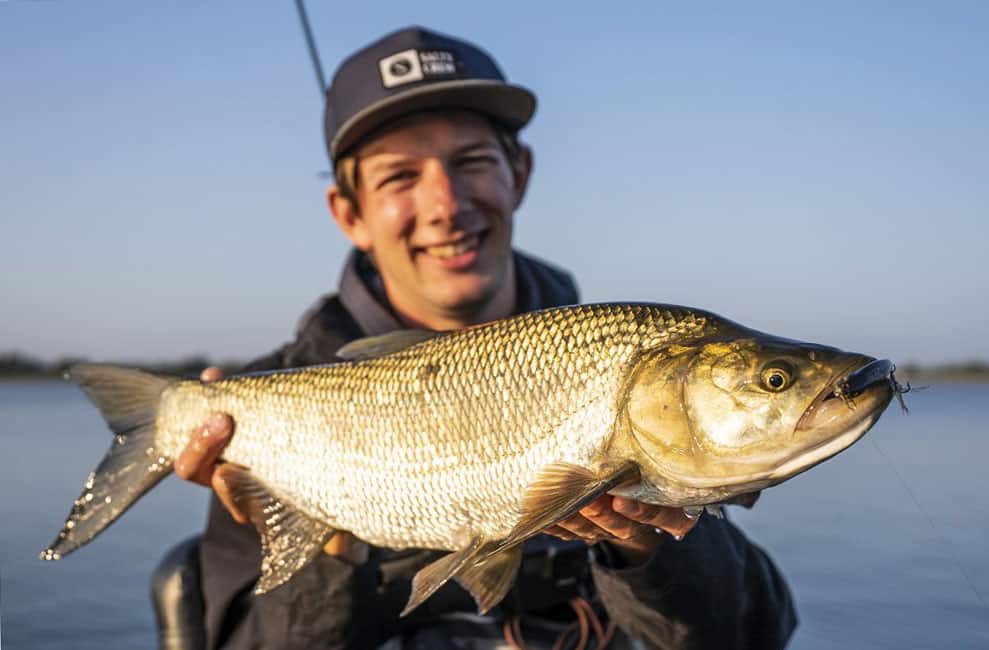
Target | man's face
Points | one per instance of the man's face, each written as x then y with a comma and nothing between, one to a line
436,197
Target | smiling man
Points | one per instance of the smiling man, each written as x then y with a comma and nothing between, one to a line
430,200
422,130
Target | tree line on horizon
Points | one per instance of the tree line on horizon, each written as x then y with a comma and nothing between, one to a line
16,365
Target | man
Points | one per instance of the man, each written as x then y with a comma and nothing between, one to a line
422,130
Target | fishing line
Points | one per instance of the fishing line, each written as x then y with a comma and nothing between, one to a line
300,8
930,520
311,43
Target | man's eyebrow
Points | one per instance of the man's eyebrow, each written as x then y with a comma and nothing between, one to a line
386,165
472,146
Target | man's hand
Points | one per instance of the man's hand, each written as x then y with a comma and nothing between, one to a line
198,463
628,525
198,460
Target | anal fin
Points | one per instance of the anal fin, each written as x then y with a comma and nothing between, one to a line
436,574
290,539
490,579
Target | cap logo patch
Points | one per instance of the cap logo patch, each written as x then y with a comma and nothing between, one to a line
415,65
401,68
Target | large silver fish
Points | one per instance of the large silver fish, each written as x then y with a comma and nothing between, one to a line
473,441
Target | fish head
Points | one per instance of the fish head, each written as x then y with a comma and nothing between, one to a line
744,412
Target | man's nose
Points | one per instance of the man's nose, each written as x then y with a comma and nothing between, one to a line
440,200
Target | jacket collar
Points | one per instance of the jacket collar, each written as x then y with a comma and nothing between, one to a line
539,286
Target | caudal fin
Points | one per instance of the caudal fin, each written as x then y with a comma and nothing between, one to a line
128,400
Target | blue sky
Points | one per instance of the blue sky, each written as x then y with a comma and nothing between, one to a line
817,172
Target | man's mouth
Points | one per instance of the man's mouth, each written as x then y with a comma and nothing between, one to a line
453,249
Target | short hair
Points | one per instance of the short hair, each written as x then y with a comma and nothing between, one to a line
346,171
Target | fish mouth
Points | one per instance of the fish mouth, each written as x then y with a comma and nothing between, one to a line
842,413
862,376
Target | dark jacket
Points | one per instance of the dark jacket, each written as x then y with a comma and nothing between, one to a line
714,589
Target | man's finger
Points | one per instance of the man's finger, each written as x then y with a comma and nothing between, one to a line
210,374
598,506
196,460
222,489
562,533
344,545
671,520
610,521
583,528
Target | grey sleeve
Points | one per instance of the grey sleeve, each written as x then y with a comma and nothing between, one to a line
714,589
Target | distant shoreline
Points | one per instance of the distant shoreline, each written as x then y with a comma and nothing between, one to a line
19,367
960,374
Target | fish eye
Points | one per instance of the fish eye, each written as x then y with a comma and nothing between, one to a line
777,376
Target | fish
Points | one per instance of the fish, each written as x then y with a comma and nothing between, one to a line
472,441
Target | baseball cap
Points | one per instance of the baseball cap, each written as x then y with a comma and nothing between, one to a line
416,69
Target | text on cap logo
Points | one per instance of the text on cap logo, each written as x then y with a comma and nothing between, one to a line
414,65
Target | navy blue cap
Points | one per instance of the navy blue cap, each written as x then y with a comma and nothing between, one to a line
411,70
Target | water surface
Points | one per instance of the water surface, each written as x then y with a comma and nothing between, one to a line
868,567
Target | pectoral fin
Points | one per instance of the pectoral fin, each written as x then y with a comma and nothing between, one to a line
560,491
290,539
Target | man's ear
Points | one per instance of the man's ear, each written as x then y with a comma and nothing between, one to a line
521,171
348,218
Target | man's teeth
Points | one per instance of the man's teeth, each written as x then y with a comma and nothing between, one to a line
452,250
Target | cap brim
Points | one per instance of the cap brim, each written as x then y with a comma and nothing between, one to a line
511,105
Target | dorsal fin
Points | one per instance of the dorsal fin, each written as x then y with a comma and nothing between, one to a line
378,346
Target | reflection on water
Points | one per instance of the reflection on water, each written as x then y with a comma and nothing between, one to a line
868,568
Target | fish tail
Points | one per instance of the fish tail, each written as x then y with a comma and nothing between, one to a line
129,401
